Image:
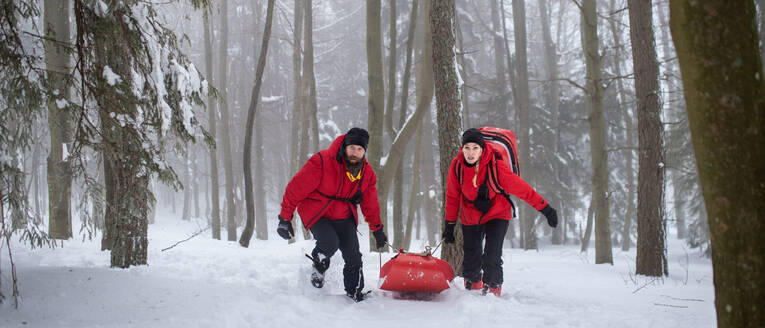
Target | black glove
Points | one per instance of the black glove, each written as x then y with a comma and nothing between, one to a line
448,234
380,238
551,215
284,229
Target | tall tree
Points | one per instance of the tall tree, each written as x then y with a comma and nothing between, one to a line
297,33
299,154
628,130
651,250
133,141
255,97
376,98
395,155
225,123
498,105
401,121
308,92
212,123
59,120
524,123
309,78
716,44
464,94
449,117
599,156
552,101
392,46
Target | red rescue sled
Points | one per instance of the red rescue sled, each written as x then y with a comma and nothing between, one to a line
416,273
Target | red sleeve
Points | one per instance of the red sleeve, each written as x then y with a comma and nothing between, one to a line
370,205
514,185
453,193
302,184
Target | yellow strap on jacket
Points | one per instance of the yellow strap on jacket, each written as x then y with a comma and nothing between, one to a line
353,178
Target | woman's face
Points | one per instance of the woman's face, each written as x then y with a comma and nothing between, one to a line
472,152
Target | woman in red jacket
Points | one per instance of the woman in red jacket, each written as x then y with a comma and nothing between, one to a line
326,192
474,192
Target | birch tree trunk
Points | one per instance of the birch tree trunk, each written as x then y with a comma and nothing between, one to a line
716,43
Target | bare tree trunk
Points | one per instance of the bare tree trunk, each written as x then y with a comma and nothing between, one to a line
498,105
513,125
415,190
251,112
398,186
588,228
391,97
716,43
448,112
297,77
651,249
186,216
597,133
376,101
228,166
552,103
675,112
309,77
628,130
59,122
463,74
212,110
402,232
762,31
524,123
194,185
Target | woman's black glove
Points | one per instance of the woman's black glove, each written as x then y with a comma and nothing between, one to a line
551,215
380,238
284,229
448,234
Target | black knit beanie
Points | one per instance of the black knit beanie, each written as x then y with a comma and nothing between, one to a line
472,135
356,136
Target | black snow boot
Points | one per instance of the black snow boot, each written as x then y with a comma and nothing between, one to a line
320,265
358,295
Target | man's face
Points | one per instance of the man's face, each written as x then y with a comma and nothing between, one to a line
354,153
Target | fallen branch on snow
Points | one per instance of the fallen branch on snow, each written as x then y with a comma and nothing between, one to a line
192,236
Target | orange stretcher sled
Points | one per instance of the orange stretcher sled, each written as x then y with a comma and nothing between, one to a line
416,273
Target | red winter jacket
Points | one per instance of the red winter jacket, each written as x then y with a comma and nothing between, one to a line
456,192
325,173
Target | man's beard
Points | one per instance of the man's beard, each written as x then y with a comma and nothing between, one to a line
353,163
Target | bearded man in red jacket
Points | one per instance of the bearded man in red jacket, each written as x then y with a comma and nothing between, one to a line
327,191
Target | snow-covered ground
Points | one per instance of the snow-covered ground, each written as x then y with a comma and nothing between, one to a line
209,283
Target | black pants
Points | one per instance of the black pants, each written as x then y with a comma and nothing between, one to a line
488,259
332,235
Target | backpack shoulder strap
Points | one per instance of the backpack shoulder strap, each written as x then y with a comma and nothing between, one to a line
495,177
